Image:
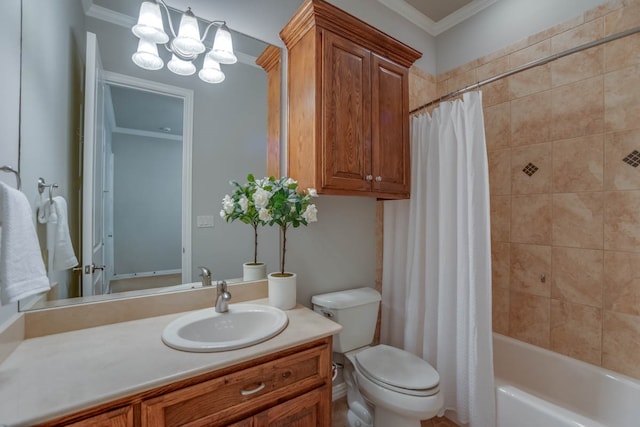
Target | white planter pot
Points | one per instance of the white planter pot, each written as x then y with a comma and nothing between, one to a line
254,271
282,290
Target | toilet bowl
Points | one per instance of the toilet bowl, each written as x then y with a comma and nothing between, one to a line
402,388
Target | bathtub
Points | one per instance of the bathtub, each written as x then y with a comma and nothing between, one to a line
539,388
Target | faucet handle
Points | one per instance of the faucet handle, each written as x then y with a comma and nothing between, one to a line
222,286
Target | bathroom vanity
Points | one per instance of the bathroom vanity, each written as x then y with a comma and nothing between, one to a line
121,374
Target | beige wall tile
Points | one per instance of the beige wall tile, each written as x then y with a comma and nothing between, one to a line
618,174
577,275
531,269
622,19
622,282
500,264
557,29
499,172
458,81
622,221
500,310
441,88
529,318
621,343
603,9
622,53
531,219
577,220
497,121
577,109
421,88
538,155
578,66
576,331
534,80
578,164
622,99
585,33
531,119
500,218
498,91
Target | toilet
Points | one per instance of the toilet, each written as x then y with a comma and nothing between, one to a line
402,388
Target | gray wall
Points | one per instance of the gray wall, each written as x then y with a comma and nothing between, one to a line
500,25
147,204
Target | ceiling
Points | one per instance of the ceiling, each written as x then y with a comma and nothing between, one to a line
437,16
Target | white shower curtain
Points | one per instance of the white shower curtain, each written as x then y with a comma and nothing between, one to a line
437,259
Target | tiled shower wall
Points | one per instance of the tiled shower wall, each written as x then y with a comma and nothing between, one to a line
565,238
563,145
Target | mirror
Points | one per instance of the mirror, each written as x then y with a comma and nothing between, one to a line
228,141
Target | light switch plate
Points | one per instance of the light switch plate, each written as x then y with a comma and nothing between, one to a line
204,221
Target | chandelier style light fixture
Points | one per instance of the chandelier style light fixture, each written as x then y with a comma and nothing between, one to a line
184,47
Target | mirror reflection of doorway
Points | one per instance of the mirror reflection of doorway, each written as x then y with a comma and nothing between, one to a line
143,189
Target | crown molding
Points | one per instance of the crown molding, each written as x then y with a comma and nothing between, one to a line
108,15
413,15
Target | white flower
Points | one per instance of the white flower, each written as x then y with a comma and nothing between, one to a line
312,192
244,203
227,204
290,182
311,213
261,198
264,215
223,214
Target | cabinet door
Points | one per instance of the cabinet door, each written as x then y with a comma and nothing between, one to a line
312,409
391,166
346,114
122,417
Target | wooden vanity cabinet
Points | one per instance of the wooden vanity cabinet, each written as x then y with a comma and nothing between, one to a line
348,104
289,388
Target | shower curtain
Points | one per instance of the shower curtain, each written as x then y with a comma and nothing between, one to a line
437,259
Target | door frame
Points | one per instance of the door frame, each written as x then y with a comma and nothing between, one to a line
187,95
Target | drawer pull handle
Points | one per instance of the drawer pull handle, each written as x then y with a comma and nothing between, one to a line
253,390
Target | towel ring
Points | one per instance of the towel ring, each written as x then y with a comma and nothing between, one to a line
42,185
7,168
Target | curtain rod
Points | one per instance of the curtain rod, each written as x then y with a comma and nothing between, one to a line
529,65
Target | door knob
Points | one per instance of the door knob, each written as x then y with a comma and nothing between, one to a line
378,179
369,177
95,267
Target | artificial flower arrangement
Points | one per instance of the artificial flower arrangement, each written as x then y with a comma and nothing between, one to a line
241,205
270,201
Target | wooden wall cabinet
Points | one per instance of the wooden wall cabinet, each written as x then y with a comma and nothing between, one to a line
348,104
289,388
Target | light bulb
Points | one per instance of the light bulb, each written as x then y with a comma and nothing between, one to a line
188,42
149,24
147,56
211,72
181,67
223,46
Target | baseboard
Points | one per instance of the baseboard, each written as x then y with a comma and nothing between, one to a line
339,391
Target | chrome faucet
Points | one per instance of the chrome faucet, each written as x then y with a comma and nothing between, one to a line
223,297
205,273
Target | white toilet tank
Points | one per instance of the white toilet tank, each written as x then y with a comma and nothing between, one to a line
356,310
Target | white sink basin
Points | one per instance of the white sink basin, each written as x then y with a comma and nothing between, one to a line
242,326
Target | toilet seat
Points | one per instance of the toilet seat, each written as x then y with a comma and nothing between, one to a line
398,370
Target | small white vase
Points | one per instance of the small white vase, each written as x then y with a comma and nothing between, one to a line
282,290
254,271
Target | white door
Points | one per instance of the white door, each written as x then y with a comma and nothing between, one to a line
93,174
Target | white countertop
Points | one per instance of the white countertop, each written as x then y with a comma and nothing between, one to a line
47,377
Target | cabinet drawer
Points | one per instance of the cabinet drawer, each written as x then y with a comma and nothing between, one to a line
240,394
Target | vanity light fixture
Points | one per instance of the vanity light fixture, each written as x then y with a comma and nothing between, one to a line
184,47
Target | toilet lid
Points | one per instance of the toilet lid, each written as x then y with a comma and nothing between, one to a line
398,370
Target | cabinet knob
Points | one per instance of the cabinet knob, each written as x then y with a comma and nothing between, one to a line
369,177
378,179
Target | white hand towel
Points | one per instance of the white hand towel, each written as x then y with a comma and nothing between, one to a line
63,255
22,272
